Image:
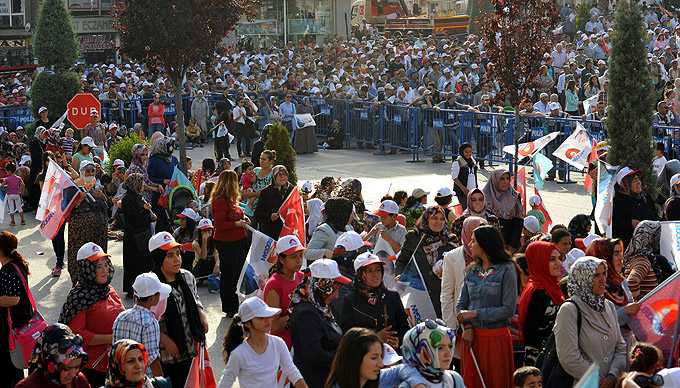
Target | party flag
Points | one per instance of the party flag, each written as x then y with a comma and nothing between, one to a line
293,216
178,180
604,203
58,198
542,165
414,294
541,207
255,271
576,148
521,186
530,148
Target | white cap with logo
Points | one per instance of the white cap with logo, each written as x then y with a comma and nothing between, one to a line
366,258
387,207
351,241
148,284
91,251
162,240
328,269
189,213
288,245
204,223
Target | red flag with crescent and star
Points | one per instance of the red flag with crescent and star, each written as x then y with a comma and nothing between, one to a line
293,216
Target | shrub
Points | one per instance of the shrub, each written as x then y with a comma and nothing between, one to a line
278,140
54,91
123,150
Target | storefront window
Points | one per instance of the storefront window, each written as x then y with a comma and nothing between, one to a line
83,6
309,20
12,13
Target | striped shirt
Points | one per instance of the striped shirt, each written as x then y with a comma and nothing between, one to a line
641,276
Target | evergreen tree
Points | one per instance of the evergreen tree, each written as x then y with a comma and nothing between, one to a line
582,16
630,95
278,140
56,49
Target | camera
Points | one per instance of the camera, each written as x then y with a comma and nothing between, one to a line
649,381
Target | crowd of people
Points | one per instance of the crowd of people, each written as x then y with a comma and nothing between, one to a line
509,292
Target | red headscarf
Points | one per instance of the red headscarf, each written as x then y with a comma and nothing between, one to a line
538,258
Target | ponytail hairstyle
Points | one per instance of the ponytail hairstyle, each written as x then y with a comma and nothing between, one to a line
277,267
8,247
644,358
233,337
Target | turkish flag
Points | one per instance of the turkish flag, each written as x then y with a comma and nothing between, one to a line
521,186
293,216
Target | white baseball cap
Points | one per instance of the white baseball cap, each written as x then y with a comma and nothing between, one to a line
390,356
189,213
41,109
351,241
94,112
162,240
589,239
534,200
91,251
531,224
148,284
366,258
624,172
328,269
254,307
118,163
675,179
307,187
387,207
287,245
88,141
444,192
204,223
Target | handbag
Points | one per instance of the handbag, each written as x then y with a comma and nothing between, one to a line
22,340
554,375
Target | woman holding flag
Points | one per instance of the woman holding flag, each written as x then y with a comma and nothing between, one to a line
270,201
230,237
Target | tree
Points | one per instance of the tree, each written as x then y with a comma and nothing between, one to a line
172,35
516,46
56,48
582,16
278,140
631,94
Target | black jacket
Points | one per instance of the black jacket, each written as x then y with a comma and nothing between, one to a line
316,340
626,209
357,312
269,202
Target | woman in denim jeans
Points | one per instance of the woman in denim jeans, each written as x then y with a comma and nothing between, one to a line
487,303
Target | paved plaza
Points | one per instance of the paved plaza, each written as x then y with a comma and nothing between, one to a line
379,174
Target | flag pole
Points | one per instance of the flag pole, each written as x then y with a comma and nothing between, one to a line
674,347
479,371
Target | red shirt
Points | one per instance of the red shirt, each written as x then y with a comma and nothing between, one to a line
225,215
283,288
97,319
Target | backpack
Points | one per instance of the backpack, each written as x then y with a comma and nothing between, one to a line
554,375
662,268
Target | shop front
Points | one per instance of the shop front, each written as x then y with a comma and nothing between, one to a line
15,34
93,24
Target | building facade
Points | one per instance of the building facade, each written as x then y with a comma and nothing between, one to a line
17,22
93,24
311,21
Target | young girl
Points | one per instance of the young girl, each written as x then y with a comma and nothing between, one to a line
255,359
14,186
248,178
206,261
184,235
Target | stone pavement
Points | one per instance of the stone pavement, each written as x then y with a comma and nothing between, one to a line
379,175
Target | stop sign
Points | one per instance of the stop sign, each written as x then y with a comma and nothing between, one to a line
78,109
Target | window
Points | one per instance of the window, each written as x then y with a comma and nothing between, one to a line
12,13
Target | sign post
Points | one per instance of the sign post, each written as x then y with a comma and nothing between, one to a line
79,107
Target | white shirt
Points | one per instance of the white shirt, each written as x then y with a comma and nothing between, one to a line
658,164
239,114
255,370
671,377
455,171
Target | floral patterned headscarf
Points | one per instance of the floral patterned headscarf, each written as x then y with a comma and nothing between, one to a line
137,151
420,348
87,291
120,349
581,281
56,347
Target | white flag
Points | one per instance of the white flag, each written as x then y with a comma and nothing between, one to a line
305,120
530,148
60,121
255,270
605,197
576,148
414,294
670,243
589,103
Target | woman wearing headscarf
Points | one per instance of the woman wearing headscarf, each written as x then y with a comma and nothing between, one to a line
312,324
136,231
270,201
631,205
140,159
487,303
305,138
541,297
89,220
351,189
128,360
639,256
57,359
91,307
338,215
36,147
453,270
504,202
427,245
476,207
428,347
183,325
314,208
671,208
579,228
464,173
599,338
371,305
161,166
618,292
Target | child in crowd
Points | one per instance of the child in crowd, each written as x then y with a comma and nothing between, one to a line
194,133
659,159
527,377
535,202
185,234
68,142
14,186
248,178
252,354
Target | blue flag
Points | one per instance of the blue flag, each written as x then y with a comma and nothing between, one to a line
541,166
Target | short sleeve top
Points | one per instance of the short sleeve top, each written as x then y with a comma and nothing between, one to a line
11,285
